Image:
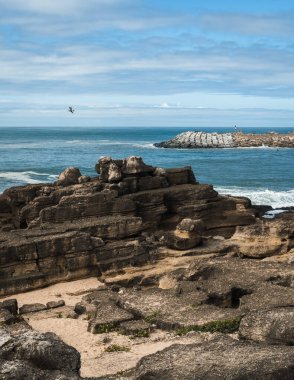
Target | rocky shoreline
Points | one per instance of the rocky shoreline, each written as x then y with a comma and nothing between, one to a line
192,140
192,284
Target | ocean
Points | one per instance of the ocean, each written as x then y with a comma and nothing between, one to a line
33,155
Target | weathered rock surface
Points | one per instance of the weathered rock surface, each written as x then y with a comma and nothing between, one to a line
69,176
68,230
273,326
138,328
219,358
32,308
144,226
27,354
265,237
192,139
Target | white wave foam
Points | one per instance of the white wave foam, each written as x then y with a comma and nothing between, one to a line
273,198
145,145
260,147
272,213
80,142
139,144
27,176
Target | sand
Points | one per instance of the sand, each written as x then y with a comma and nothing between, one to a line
95,361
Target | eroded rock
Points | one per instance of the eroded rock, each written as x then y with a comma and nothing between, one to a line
219,358
271,326
69,176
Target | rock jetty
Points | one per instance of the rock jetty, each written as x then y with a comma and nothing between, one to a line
193,139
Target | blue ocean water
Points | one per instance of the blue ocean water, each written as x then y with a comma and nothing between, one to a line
32,155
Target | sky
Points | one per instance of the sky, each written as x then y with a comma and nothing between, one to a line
140,63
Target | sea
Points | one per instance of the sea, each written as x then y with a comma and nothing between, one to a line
34,155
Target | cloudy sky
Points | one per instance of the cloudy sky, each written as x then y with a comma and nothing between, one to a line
147,62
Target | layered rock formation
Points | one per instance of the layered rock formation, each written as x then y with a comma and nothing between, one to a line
81,226
177,260
192,140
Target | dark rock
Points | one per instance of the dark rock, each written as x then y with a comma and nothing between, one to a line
6,317
80,308
32,308
10,305
55,304
219,358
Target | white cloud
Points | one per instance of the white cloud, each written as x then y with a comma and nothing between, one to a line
279,24
58,7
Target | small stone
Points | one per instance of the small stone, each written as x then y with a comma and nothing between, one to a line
106,339
10,305
71,314
54,304
80,308
32,308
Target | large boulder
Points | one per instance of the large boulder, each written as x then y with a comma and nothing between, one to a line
274,326
219,358
69,176
265,238
135,165
28,354
187,235
109,169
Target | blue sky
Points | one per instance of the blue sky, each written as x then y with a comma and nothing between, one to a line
147,63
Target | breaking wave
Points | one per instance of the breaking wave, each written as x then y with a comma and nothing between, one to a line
272,198
8,179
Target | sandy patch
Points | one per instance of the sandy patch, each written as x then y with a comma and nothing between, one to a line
95,361
70,292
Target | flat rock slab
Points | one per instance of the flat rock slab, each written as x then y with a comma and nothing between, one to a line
218,359
244,284
274,326
138,328
169,310
107,317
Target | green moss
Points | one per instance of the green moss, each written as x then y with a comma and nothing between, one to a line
105,328
225,326
116,348
142,334
152,318
88,316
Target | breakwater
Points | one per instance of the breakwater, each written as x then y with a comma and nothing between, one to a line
200,139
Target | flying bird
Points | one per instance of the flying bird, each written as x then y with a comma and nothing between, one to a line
70,109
